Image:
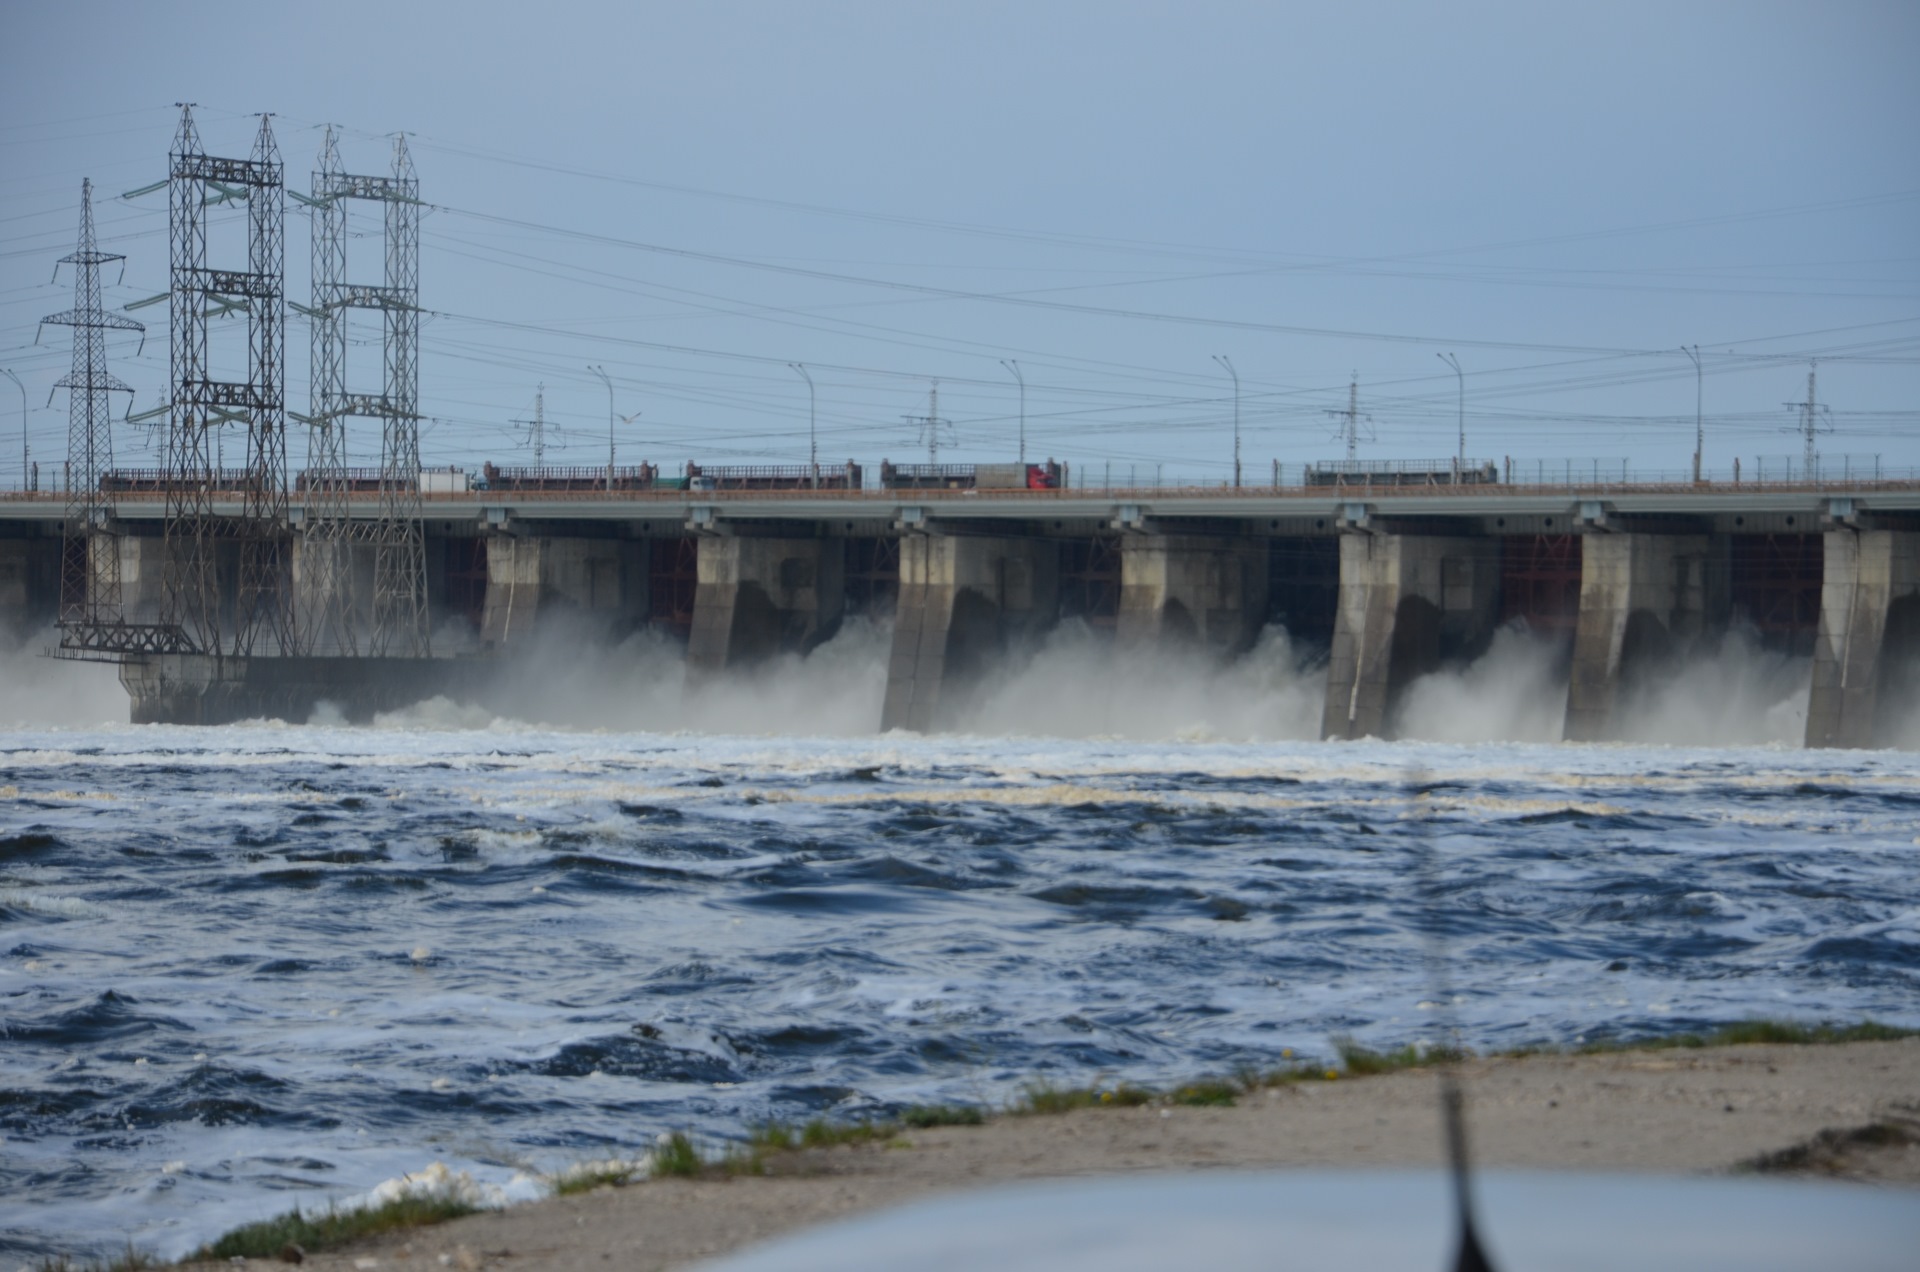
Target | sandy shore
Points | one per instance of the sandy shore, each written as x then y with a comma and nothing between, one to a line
1669,1111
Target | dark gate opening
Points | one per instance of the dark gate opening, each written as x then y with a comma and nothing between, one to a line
1303,589
673,577
1090,581
872,577
1774,584
1540,582
465,565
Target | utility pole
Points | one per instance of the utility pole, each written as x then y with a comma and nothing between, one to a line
1810,413
537,426
1350,428
813,436
1226,362
1454,362
1699,392
25,464
602,373
1014,366
930,424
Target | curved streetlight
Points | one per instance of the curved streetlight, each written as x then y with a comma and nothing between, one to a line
626,421
1014,366
1454,362
1227,362
606,380
24,470
813,436
1699,396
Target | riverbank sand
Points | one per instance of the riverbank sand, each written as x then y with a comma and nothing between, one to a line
1792,1108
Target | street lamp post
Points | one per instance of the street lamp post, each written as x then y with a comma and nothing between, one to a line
813,435
1227,362
1699,396
1450,360
24,468
604,379
1014,366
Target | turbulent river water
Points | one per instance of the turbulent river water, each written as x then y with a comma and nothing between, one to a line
249,967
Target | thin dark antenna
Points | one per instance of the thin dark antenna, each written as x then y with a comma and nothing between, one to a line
1470,1255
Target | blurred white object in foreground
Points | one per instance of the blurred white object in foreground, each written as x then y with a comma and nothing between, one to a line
1380,1221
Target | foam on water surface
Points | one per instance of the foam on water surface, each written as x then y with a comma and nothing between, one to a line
246,967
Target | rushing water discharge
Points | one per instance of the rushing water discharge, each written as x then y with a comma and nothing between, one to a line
254,966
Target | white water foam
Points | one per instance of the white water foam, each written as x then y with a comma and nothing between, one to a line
1738,694
1079,685
41,692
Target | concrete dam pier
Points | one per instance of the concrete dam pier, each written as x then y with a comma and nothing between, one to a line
1391,583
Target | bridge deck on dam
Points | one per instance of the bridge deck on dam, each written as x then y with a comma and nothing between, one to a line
1101,502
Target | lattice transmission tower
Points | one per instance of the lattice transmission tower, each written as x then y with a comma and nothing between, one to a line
1351,420
399,619
932,426
197,536
90,611
329,624
1815,419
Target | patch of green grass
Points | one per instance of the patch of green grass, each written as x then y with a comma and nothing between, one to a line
1782,1031
584,1177
1204,1092
677,1157
922,1117
767,1138
820,1133
267,1238
1044,1098
1363,1062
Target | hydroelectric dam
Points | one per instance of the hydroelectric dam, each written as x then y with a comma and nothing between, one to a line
1391,579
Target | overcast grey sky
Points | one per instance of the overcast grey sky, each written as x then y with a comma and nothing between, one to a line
1110,194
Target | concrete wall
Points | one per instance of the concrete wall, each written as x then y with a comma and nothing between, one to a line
1646,600
530,578
1867,644
29,584
761,597
1408,603
1199,591
964,600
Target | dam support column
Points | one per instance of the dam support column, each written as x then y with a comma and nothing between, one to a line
756,598
143,583
529,578
1191,591
1645,600
1407,604
963,600
1869,636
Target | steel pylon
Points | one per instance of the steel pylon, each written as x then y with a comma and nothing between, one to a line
90,545
329,623
399,624
258,541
